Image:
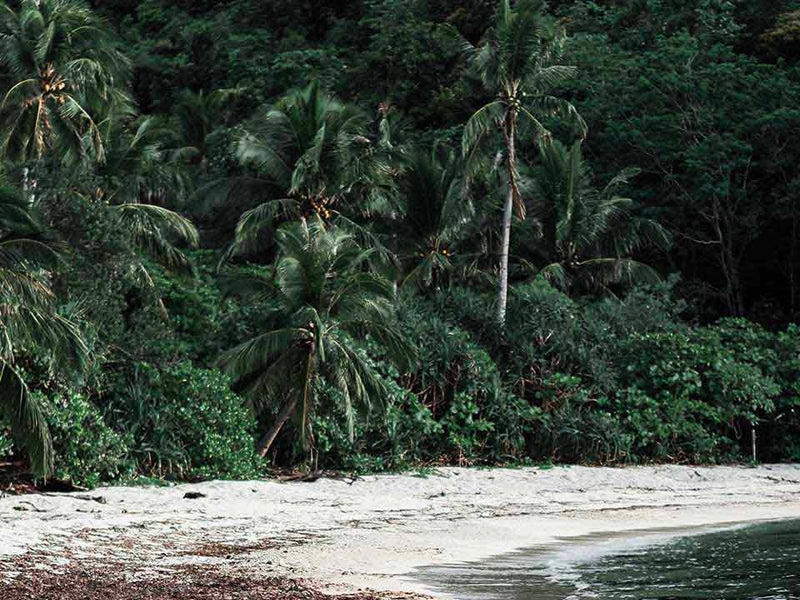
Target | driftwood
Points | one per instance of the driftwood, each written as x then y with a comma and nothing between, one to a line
312,476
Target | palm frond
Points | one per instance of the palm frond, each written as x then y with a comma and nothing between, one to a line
154,229
258,221
257,353
26,418
483,121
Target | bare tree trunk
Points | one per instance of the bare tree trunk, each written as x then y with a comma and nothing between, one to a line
306,386
729,263
266,442
502,288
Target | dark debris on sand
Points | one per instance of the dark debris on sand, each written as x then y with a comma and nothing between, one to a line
219,550
115,580
185,583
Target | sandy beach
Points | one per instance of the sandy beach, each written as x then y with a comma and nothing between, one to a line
351,535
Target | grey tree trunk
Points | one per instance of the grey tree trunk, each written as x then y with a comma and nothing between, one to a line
502,288
29,186
265,443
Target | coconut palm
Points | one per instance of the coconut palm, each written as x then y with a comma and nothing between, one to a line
199,116
59,61
589,235
140,177
325,299
29,321
436,213
139,167
152,230
138,180
316,153
517,64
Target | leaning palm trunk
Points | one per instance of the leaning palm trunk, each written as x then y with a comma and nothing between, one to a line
269,438
265,443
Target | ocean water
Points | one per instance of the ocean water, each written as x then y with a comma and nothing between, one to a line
735,563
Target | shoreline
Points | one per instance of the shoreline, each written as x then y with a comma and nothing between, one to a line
372,533
554,569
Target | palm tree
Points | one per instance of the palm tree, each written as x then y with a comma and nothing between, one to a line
59,62
436,213
589,234
198,117
137,181
138,178
139,167
29,322
516,63
316,151
325,299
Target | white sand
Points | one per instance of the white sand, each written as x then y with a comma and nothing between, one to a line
374,532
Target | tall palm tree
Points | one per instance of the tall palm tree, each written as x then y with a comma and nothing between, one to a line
325,299
517,64
139,166
30,321
59,61
589,235
317,152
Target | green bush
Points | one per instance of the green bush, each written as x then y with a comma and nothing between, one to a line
574,424
609,381
778,356
87,451
479,419
184,422
781,432
394,440
202,321
689,397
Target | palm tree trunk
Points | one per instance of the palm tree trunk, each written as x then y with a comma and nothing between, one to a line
306,388
265,443
29,186
511,161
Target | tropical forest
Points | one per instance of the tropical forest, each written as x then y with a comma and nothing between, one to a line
244,237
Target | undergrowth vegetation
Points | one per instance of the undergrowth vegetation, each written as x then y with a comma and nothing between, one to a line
388,234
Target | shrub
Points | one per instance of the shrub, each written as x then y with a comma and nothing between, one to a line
778,356
460,385
184,422
87,451
781,432
574,424
203,322
394,440
688,396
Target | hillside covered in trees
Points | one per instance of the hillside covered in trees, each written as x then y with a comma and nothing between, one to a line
378,234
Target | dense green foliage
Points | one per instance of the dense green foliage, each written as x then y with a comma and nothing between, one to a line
385,233
184,422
